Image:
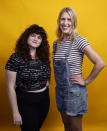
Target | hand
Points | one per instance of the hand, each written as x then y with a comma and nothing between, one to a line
77,79
17,118
48,84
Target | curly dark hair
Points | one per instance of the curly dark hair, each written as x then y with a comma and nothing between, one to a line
22,48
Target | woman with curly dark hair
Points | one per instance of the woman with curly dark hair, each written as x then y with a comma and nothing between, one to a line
29,69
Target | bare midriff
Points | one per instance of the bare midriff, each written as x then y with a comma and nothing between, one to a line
41,90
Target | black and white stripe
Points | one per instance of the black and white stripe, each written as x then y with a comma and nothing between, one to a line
75,58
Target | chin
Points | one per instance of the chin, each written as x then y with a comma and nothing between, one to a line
66,33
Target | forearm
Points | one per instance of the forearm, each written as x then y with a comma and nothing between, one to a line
95,71
11,80
12,100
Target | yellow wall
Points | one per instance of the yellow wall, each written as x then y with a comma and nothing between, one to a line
16,15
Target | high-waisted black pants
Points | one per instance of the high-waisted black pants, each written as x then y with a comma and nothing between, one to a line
33,108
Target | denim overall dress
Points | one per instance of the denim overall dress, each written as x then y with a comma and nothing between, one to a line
70,98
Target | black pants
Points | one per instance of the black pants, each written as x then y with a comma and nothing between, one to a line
33,108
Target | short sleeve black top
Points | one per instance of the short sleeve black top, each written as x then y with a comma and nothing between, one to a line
31,75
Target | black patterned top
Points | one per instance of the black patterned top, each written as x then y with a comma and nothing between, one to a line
31,75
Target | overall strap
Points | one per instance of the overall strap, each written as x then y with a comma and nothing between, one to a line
69,48
54,48
68,51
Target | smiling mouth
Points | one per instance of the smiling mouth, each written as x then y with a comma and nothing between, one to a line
34,42
65,28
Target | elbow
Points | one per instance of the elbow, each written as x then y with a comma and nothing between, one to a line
102,64
10,90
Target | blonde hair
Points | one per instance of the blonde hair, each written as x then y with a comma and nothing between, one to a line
72,14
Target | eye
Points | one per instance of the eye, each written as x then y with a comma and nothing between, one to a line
69,19
39,37
62,19
33,35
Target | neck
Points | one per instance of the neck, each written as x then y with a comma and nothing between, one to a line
66,37
33,53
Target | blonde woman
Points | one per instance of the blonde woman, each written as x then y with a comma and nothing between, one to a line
68,52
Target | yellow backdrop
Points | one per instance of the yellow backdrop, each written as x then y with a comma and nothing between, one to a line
16,15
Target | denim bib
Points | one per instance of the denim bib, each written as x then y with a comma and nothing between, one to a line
62,69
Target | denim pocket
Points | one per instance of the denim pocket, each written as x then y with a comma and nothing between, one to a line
75,91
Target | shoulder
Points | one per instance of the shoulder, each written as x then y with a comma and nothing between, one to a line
14,55
80,39
13,62
81,42
14,58
55,42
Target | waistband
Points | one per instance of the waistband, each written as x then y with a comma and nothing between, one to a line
35,92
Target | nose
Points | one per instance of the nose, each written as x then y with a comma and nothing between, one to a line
35,38
66,22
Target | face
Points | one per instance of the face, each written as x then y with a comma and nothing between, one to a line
65,23
34,40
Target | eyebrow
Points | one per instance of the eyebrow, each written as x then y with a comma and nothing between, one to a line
65,18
